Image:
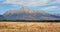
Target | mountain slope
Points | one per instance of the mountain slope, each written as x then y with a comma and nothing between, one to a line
27,14
1,17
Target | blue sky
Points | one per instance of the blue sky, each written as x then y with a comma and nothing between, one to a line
49,6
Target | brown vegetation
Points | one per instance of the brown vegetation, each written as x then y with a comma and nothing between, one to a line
29,27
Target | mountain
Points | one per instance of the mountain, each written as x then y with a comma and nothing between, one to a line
25,13
1,17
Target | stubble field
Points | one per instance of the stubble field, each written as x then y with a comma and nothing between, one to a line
29,27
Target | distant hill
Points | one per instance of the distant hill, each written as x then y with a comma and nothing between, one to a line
28,14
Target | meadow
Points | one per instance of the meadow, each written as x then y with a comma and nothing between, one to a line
29,26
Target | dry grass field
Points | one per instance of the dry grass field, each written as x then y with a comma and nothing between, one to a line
29,27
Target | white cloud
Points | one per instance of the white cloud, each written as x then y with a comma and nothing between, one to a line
56,2
28,2
50,8
32,2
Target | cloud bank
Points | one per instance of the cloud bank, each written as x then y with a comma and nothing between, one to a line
32,2
51,5
28,2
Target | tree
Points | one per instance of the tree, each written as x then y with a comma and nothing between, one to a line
4,19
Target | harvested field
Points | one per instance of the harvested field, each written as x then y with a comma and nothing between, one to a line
29,27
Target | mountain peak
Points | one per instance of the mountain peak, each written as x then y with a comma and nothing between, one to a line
25,13
28,10
24,7
24,10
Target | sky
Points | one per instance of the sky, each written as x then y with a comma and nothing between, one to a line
49,6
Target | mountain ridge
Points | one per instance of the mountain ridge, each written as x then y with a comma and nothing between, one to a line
25,13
